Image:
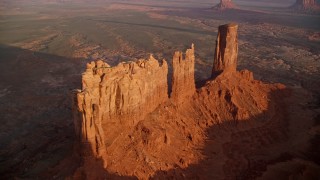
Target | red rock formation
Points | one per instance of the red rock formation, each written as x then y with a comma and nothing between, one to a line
225,4
87,118
124,117
183,84
116,95
306,5
226,52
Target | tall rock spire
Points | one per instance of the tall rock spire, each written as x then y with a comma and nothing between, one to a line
183,84
226,53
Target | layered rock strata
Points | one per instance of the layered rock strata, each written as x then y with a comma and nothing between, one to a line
183,84
125,94
226,51
117,95
124,117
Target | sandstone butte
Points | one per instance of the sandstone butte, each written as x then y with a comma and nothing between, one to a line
127,125
225,4
306,5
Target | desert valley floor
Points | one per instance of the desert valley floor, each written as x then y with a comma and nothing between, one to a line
45,46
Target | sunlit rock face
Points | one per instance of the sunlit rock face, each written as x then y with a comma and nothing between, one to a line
123,95
183,84
226,52
127,124
116,95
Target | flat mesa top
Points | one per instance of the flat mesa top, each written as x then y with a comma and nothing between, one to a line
230,25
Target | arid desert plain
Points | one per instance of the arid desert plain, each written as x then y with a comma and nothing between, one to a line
227,127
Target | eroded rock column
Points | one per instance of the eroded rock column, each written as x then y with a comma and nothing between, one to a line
226,52
87,116
183,84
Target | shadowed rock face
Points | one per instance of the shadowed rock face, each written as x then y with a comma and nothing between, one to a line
226,52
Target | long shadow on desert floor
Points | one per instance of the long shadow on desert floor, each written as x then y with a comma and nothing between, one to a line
243,149
37,130
247,149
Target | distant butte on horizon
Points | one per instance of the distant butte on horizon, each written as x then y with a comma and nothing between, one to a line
306,6
302,6
225,4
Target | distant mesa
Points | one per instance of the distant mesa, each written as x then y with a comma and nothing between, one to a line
306,6
225,4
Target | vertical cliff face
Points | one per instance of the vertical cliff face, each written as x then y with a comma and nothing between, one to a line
131,90
87,118
118,95
226,52
183,84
